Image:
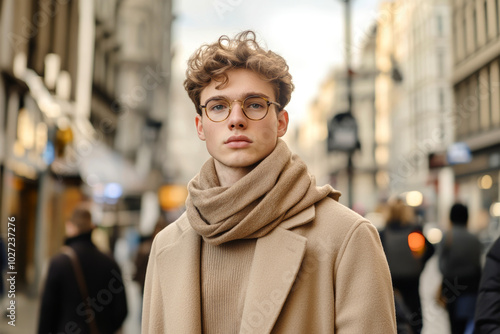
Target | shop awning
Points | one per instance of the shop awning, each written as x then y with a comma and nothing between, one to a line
101,165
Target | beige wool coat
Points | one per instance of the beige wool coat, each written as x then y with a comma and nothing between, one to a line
321,271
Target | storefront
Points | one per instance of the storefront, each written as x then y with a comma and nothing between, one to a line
33,192
478,186
25,138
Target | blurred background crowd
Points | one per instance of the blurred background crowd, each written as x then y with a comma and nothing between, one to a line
406,110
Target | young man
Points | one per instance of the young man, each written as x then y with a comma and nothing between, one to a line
261,248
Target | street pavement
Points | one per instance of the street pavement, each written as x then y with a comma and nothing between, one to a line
26,311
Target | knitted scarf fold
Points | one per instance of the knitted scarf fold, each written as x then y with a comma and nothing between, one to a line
278,188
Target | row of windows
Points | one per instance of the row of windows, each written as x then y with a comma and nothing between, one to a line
478,102
430,113
431,26
428,55
475,24
45,27
427,64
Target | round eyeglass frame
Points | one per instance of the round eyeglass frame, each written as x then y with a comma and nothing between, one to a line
268,102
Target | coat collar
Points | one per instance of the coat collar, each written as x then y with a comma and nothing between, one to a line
277,259
85,237
305,216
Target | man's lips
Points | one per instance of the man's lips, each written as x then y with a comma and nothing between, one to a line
238,138
238,141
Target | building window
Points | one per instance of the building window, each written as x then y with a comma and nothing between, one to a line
440,63
441,99
475,104
495,93
455,42
465,33
484,91
497,12
485,11
461,113
141,36
474,26
440,24
468,110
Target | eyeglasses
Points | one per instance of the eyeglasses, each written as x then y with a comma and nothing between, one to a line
254,107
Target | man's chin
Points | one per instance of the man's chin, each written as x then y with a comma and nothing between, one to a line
239,163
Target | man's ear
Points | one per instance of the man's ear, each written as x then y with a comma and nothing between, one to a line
282,122
199,127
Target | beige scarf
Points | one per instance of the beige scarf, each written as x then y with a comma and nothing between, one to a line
278,188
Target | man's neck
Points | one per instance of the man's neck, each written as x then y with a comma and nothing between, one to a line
230,175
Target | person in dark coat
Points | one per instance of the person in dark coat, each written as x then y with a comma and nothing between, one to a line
62,308
142,257
460,264
487,318
407,251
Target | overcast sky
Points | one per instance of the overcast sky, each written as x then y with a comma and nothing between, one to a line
309,34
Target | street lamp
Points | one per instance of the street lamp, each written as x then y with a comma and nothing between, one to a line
342,128
347,41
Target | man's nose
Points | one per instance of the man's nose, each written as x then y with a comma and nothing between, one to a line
237,118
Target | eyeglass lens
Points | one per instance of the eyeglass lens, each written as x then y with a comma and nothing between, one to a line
254,108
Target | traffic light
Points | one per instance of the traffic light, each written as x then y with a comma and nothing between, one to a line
343,133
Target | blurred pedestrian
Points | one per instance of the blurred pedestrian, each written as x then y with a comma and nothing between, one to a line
403,315
260,248
407,250
487,318
460,264
143,251
84,291
434,314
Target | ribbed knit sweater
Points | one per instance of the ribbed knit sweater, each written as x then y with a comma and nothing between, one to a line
225,270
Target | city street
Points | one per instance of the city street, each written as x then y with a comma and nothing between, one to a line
141,111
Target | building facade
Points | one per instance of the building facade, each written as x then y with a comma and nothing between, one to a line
65,68
476,111
414,93
42,97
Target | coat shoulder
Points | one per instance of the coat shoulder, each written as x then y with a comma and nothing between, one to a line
334,218
334,226
172,233
331,207
60,266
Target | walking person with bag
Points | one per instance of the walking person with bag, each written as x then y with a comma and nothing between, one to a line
83,291
407,251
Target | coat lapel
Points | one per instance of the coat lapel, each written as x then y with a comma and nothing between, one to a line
275,265
180,278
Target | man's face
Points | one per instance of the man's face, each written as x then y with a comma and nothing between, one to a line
238,142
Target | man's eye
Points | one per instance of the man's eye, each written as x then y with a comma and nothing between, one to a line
256,106
218,107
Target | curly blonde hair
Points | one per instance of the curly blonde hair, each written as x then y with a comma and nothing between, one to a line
212,61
